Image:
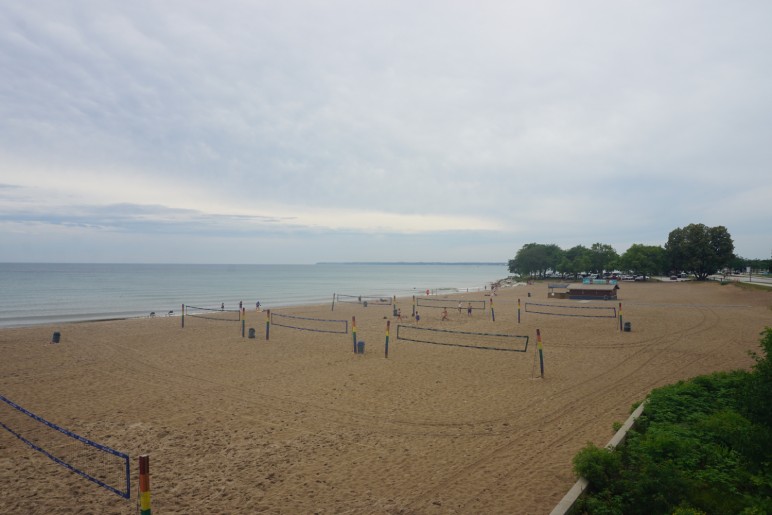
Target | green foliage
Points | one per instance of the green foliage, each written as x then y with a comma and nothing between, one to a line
602,257
644,260
701,446
757,390
535,259
699,249
599,466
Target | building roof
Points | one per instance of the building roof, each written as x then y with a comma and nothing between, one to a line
593,287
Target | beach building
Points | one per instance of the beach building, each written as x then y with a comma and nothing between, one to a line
592,291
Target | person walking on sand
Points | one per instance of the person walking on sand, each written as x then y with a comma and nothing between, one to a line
459,308
257,306
469,310
445,314
222,307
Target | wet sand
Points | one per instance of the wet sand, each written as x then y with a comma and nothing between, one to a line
301,424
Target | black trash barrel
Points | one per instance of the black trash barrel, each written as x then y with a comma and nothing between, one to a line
627,327
55,338
360,347
251,332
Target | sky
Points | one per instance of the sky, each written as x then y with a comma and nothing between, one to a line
302,131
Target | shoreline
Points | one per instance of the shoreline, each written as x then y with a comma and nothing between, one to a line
75,318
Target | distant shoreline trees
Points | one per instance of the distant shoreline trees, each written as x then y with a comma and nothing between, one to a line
695,249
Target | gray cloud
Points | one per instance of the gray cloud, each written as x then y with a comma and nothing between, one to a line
568,122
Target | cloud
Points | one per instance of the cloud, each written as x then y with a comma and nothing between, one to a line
537,122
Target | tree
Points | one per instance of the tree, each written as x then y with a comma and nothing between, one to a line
575,260
535,259
602,256
699,249
644,259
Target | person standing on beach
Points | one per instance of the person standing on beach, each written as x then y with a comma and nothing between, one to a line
257,306
469,310
445,314
459,308
222,307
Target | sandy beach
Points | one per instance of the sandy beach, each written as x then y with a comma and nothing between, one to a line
300,424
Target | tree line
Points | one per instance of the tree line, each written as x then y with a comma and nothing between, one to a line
695,249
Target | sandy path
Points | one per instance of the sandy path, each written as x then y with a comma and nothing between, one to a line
300,424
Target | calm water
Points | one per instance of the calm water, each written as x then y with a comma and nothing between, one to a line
36,293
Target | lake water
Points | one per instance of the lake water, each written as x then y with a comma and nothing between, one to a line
41,293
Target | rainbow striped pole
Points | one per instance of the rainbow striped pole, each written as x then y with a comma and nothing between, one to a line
388,324
354,332
413,306
541,353
518,311
493,313
144,485
267,324
620,316
243,316
183,316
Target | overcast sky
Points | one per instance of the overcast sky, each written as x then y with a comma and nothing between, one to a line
304,131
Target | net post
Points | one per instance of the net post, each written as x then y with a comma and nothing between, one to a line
183,316
413,306
541,353
354,332
333,303
620,316
267,324
493,313
518,311
144,485
388,324
243,316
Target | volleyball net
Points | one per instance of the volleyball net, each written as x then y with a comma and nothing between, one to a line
471,340
218,314
320,325
571,311
98,463
429,302
375,300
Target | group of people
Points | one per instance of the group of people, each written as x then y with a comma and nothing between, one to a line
241,306
444,315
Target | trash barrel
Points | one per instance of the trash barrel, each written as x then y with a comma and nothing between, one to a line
251,332
55,338
364,303
627,327
360,347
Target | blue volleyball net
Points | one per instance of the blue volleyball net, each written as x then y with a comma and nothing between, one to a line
217,314
487,341
98,463
430,302
319,325
571,310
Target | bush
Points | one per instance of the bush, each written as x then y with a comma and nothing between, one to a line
702,446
